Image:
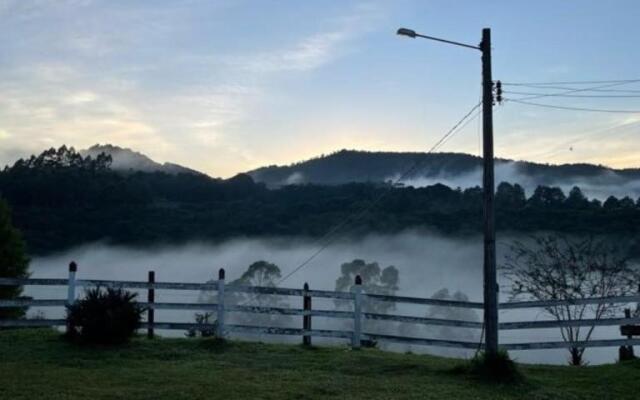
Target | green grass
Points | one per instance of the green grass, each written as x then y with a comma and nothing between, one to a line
38,364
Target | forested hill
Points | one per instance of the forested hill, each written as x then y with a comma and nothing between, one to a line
347,166
61,199
127,160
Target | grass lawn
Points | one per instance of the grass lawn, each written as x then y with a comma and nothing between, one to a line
38,364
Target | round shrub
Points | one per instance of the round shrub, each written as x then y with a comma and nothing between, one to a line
498,368
104,316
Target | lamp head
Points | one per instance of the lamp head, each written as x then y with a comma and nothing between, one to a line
407,32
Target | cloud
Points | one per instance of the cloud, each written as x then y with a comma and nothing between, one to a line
310,53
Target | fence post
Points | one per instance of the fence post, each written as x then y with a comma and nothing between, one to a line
220,307
626,352
71,285
306,318
151,298
357,313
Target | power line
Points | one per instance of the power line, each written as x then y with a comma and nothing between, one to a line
565,88
574,90
574,95
327,239
573,108
621,81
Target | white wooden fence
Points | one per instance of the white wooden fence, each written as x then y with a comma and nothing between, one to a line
357,295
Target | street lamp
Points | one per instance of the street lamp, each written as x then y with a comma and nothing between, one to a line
488,186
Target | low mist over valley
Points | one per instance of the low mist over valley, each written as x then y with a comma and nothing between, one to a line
427,263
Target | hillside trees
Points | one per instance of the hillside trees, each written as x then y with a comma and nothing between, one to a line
61,199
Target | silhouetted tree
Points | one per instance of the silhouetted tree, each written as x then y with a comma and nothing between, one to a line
576,199
626,203
547,197
13,261
510,196
612,203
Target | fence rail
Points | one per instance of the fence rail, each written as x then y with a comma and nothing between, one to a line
356,297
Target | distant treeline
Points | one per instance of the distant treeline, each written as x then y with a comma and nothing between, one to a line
61,199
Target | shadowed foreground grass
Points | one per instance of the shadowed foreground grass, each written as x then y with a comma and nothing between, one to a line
38,364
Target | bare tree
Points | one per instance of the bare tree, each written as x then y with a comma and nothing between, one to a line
559,268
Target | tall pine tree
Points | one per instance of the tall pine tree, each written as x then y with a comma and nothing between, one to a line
14,262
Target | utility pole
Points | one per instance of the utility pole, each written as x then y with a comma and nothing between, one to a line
488,187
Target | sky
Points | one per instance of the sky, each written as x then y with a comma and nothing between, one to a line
228,86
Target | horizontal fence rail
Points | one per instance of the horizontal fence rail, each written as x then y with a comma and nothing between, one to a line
562,344
32,323
262,330
423,321
355,303
430,302
422,341
567,323
107,283
556,303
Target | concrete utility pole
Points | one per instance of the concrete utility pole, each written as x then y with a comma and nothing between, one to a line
488,187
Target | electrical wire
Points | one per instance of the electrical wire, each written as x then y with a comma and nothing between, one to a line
573,108
606,96
568,91
574,88
622,81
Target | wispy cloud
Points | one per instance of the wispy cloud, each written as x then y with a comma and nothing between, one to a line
315,50
310,53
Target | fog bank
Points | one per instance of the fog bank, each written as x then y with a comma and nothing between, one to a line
599,187
426,263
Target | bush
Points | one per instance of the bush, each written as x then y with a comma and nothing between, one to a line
498,368
205,327
109,316
14,262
